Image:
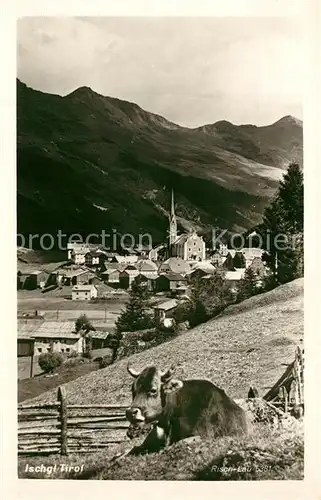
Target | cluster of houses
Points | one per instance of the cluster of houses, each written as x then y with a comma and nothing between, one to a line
164,268
167,269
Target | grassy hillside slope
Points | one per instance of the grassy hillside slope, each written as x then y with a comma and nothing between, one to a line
249,344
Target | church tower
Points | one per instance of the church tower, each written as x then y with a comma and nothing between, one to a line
172,223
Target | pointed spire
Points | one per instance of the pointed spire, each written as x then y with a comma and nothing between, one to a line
172,205
172,222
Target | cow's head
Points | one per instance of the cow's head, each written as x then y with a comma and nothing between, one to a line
149,391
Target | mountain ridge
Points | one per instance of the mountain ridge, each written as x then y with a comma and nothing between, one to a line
84,150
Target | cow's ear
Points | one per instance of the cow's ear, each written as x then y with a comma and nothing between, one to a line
172,385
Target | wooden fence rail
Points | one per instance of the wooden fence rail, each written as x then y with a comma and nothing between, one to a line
65,428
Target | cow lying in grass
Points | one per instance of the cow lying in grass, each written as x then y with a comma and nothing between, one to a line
179,409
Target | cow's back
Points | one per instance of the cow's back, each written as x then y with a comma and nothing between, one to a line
201,408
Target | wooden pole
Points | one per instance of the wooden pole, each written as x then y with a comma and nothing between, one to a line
61,396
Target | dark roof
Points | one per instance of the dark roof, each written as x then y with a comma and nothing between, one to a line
166,306
99,334
173,277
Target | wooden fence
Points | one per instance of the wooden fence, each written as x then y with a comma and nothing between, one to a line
65,428
287,392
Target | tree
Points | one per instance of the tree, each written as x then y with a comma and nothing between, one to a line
209,297
136,316
282,228
248,285
85,327
182,312
239,260
49,361
228,263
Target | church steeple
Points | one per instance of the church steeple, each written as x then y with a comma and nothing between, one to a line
172,222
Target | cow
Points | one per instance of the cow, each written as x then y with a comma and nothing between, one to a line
179,409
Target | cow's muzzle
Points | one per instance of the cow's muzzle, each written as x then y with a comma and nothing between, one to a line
134,415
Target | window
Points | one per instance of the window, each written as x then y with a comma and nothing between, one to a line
194,243
68,349
39,349
62,350
48,349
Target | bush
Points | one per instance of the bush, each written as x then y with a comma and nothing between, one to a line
182,312
49,361
104,361
88,354
72,354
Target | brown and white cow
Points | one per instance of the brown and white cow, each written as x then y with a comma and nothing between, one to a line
179,409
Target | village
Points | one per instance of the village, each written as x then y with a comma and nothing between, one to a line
96,282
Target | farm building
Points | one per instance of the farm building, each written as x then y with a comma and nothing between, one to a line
217,259
249,254
95,258
99,339
174,265
127,276
84,292
125,259
164,310
76,276
25,346
78,255
201,269
148,279
111,276
57,336
147,267
171,282
26,327
32,280
157,253
110,255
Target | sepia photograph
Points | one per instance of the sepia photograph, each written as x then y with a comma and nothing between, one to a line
160,255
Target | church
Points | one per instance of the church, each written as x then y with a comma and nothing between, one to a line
187,246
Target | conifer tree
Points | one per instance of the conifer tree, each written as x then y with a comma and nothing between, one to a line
284,216
136,316
239,260
248,285
228,264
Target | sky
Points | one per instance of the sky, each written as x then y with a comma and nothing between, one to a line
192,71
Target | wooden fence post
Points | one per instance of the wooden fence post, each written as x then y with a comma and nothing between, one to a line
285,399
61,396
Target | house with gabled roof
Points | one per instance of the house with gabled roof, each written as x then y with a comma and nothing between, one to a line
57,336
164,310
84,292
175,265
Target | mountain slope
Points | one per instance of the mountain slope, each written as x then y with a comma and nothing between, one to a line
88,162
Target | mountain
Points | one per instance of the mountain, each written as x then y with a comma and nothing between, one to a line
87,162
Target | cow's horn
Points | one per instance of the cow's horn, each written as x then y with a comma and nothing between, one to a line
131,371
167,373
